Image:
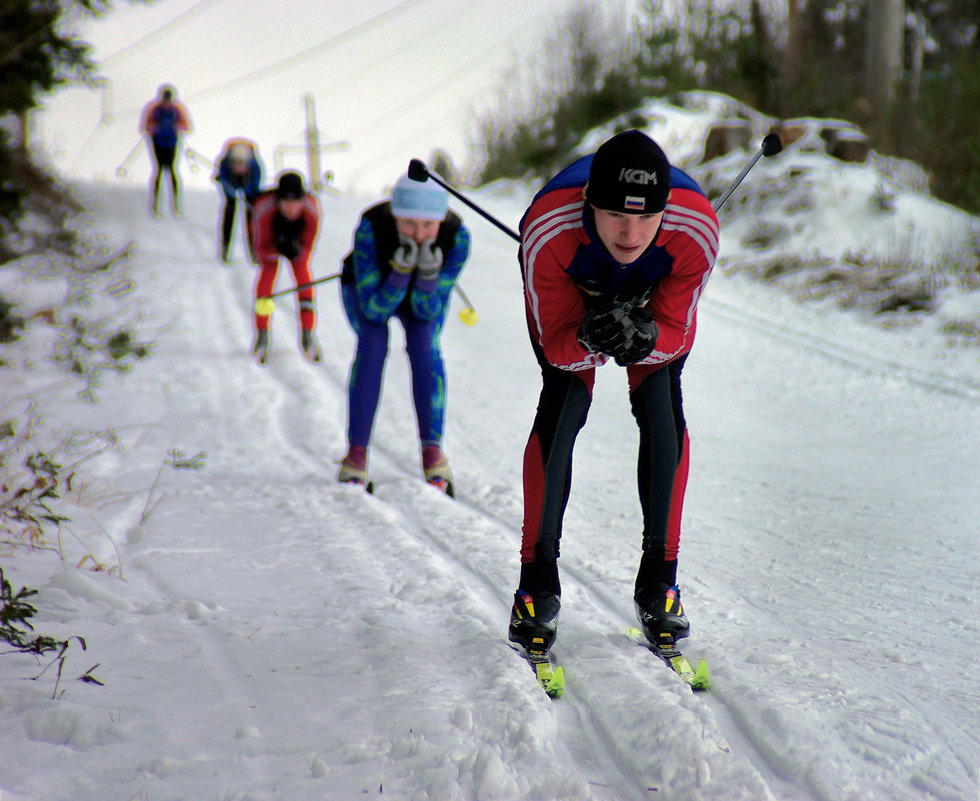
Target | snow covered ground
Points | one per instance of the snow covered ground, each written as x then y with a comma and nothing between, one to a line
263,633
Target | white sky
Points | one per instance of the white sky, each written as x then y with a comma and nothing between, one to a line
393,79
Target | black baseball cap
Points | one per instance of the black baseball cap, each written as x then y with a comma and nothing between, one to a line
290,186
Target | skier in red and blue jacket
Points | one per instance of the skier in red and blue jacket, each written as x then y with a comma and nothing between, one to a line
164,120
615,253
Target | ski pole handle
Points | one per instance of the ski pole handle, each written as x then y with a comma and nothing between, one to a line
417,171
771,145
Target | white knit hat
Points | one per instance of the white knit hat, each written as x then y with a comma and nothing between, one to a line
240,152
419,200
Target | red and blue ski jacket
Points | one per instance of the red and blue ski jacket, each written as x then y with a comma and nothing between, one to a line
164,122
565,266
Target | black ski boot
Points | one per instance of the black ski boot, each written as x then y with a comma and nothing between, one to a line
661,616
261,347
534,623
309,346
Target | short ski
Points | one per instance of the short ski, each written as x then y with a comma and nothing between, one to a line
367,487
550,676
444,485
671,656
445,488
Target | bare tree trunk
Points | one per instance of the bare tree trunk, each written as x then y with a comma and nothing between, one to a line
886,29
918,52
792,53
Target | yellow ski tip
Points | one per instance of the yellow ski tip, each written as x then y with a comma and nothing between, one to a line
556,687
702,678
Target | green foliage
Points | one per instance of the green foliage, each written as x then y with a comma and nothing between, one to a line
940,130
17,630
36,55
89,348
15,624
32,479
27,191
586,81
735,48
714,45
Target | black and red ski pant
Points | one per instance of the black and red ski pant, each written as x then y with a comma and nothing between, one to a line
662,467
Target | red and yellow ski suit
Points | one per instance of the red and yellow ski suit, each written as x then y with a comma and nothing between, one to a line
276,237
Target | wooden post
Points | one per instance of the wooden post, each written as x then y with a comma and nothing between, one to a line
312,144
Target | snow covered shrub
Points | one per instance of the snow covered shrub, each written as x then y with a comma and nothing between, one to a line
764,235
10,324
883,199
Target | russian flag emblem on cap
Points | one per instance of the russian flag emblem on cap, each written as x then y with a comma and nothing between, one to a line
634,203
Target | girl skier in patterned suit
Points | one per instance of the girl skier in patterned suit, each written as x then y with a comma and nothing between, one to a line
408,253
615,252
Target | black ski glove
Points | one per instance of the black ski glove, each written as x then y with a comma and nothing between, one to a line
606,328
643,339
287,234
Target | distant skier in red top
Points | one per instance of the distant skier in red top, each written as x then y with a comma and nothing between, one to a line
285,221
163,121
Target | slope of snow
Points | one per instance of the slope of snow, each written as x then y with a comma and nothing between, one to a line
266,633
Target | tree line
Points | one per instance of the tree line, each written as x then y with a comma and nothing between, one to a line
907,72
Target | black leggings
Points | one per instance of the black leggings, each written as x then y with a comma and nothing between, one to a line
563,408
165,157
228,222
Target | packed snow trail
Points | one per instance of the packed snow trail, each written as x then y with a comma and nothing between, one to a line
279,635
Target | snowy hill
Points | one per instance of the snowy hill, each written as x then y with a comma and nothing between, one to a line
262,632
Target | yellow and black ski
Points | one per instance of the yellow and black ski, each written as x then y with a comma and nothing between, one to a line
671,655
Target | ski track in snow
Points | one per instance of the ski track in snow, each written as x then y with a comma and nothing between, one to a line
290,637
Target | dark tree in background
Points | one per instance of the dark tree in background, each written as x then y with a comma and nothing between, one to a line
37,53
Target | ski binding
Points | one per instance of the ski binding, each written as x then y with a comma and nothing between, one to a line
671,655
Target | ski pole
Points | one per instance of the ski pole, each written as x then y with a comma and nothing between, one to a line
417,171
467,316
771,145
264,305
124,167
195,156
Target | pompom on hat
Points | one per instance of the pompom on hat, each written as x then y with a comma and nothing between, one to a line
419,200
629,174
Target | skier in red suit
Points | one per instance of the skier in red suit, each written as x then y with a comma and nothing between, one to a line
285,221
615,253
